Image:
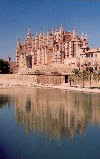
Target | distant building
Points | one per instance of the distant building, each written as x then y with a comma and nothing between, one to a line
56,49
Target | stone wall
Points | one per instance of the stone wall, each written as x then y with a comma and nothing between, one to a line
8,80
55,80
16,80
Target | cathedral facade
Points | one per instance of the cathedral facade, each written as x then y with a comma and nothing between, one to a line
55,48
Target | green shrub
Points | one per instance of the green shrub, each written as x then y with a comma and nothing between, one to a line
4,67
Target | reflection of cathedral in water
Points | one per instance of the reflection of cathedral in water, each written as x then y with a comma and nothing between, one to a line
56,113
5,101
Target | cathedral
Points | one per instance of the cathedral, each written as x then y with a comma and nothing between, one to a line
56,48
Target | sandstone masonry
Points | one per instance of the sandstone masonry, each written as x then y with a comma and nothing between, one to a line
53,50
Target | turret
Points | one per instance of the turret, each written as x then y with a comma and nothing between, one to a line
53,30
48,37
61,29
29,32
84,41
40,40
82,37
33,43
36,40
48,32
18,51
74,35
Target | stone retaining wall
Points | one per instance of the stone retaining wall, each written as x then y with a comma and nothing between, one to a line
16,80
55,80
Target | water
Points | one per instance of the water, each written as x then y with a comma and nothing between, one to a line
49,124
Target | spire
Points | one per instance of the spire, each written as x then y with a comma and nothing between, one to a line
61,28
36,34
40,36
84,40
86,37
74,34
53,30
29,32
32,37
48,32
18,43
82,36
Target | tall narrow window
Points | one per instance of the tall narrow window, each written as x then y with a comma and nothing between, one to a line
29,61
66,78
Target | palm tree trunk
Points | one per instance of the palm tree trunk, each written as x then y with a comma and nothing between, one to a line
90,79
83,78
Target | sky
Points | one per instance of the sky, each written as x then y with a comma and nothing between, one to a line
17,15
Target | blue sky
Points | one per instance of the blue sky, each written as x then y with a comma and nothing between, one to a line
17,15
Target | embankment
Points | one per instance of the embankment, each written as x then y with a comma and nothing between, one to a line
16,80
47,81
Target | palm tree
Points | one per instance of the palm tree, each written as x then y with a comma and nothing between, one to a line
70,80
90,70
83,72
76,73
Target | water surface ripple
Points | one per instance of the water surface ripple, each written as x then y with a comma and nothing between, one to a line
49,124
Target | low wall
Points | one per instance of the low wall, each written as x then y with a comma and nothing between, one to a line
55,80
10,80
17,80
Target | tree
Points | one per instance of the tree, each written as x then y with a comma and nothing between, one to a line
90,70
76,73
4,67
70,79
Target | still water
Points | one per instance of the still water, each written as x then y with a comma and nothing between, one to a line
49,124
